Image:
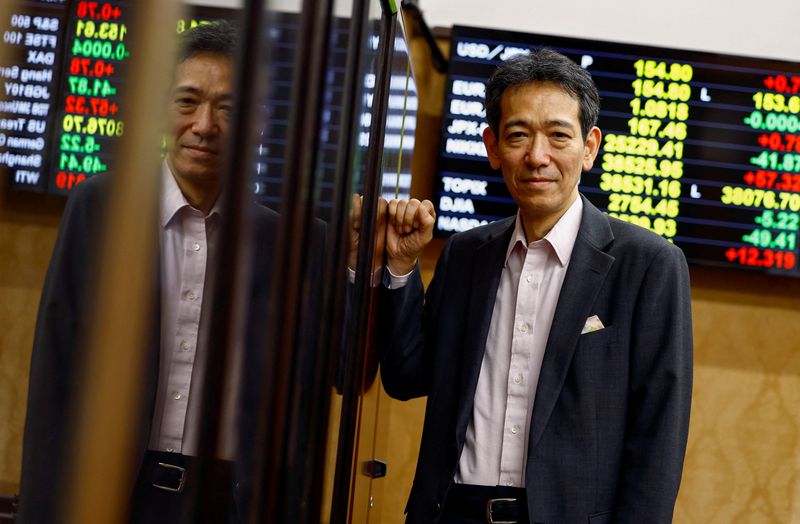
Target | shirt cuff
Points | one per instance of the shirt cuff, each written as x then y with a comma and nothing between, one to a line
376,276
397,282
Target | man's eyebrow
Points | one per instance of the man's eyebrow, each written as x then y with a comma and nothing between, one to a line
187,89
520,122
556,122
226,97
560,123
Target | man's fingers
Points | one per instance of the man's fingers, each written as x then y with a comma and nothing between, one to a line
426,215
409,220
407,216
399,218
355,210
382,213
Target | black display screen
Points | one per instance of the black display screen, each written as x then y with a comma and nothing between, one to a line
701,148
33,38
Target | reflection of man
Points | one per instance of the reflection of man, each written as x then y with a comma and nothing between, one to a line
555,346
199,114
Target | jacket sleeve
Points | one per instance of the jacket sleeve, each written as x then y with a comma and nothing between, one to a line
660,392
53,370
407,322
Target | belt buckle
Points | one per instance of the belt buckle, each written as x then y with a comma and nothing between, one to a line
181,482
490,518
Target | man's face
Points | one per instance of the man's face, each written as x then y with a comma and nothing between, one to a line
199,117
540,148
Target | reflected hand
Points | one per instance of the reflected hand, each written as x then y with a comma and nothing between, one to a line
357,203
410,230
355,228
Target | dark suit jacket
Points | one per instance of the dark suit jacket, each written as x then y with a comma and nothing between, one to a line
611,414
58,351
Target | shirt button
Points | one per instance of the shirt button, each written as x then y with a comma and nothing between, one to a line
515,429
523,328
509,482
170,450
176,395
184,346
196,246
529,279
518,378
190,295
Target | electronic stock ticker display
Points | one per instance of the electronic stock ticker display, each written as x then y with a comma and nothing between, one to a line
88,112
59,105
703,149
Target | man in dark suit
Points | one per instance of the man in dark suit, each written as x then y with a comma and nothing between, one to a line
555,347
198,116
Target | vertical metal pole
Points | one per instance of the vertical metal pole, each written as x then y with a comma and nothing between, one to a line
231,266
331,347
356,357
104,454
275,474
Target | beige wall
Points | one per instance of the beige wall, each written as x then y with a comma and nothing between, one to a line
28,225
743,459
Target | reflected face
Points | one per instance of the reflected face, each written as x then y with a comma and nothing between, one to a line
540,148
199,117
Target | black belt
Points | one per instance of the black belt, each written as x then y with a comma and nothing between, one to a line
490,504
164,479
171,471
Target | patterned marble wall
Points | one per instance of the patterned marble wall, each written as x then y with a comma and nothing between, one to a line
743,459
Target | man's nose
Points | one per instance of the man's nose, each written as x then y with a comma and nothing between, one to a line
204,121
538,153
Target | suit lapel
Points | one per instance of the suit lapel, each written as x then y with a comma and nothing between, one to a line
488,265
587,270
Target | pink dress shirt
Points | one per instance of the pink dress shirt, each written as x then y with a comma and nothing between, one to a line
495,450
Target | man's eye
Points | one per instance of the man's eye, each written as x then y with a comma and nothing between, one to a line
516,135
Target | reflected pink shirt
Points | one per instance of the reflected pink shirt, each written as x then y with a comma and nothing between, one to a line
187,237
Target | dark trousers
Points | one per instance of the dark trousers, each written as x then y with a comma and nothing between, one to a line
173,501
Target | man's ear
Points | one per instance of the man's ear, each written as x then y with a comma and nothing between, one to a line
591,147
490,141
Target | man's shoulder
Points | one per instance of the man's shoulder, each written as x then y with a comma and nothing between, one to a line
91,188
87,200
264,215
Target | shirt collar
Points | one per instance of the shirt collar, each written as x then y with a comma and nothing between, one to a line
172,199
561,237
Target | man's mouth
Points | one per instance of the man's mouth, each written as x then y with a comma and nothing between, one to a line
537,180
201,150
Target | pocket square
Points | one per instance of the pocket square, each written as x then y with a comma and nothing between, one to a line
593,323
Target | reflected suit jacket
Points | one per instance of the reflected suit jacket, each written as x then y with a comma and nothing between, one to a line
62,324
611,413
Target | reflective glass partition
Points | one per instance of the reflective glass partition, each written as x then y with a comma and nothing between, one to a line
388,99
206,271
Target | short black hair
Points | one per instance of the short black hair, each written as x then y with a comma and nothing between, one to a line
214,37
544,65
